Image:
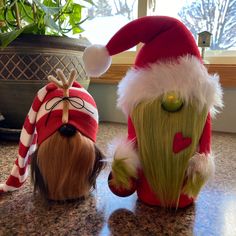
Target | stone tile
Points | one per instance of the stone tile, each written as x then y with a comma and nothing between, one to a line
102,213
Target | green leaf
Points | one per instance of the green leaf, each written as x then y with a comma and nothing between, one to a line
51,16
8,37
26,12
77,30
75,17
48,10
10,17
76,12
49,22
33,29
2,14
50,3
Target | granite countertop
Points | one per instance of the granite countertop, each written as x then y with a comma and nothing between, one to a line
214,213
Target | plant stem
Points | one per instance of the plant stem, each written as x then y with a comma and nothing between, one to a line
34,10
17,15
2,3
25,11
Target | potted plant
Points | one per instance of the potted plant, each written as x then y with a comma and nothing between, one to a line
34,42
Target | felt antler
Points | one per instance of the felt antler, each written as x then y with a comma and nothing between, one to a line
64,84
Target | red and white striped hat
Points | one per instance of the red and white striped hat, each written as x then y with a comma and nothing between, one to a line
45,118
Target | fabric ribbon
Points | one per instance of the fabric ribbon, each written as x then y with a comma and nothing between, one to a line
74,103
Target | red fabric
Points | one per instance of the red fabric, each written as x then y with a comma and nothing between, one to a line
76,84
28,126
13,181
146,195
36,104
205,140
131,131
163,37
81,121
180,142
22,151
51,86
23,169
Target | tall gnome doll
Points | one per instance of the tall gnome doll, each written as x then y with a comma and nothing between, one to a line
169,99
58,139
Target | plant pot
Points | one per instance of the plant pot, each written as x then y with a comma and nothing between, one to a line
24,67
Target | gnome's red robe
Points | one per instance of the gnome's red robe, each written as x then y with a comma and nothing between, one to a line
141,185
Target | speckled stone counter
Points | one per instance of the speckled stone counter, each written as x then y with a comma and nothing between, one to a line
214,213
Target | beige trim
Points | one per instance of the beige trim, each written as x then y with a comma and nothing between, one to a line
116,72
142,8
227,73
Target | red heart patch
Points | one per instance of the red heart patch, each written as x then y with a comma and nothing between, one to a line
180,142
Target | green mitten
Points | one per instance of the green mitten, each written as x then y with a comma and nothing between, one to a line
201,167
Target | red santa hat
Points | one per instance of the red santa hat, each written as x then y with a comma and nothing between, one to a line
169,60
45,118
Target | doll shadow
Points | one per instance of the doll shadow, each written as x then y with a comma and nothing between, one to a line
149,220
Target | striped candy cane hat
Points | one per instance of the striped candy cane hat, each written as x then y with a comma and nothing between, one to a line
60,102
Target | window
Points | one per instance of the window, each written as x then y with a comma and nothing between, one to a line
107,17
216,16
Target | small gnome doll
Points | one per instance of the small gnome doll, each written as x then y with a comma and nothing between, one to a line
168,98
58,139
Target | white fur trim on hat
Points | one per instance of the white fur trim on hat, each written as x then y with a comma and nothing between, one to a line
96,60
187,76
202,164
121,148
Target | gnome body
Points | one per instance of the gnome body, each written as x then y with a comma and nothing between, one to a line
168,98
58,139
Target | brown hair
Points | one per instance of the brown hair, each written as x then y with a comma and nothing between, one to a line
66,168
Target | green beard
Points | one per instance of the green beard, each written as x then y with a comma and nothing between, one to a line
155,130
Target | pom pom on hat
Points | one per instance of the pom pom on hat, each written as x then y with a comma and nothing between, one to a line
96,60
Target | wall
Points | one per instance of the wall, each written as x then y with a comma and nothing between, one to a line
226,120
105,97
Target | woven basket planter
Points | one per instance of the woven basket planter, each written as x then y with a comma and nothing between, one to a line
24,67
